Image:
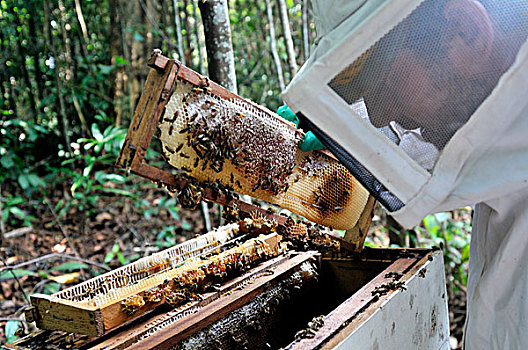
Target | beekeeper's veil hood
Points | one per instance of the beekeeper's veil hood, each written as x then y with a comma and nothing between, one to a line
449,77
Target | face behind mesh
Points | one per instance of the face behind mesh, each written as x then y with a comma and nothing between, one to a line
435,68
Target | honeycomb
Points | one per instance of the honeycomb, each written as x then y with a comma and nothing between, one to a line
247,147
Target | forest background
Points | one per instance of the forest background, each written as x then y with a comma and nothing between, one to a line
71,74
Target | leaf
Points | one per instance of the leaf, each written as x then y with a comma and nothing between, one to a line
15,201
96,133
19,213
11,328
174,213
88,169
66,278
51,288
23,181
119,191
36,181
120,60
186,226
75,186
18,273
7,161
70,266
121,258
115,178
106,69
138,37
442,217
109,257
465,253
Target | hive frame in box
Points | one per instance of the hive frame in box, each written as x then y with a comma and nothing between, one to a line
156,93
403,305
77,310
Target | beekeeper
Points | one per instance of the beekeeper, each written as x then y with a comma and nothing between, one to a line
449,78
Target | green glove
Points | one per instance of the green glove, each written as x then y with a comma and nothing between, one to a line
310,142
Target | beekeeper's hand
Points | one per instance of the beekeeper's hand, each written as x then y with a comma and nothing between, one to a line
310,142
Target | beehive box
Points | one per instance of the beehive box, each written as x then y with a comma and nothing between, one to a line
379,299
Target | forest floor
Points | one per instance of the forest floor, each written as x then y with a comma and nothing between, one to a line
115,233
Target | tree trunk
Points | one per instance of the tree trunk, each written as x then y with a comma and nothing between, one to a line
35,52
70,69
116,49
215,17
80,18
221,61
50,42
273,43
292,63
21,55
306,34
198,41
187,51
179,39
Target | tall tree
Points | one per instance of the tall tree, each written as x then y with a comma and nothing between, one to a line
306,34
198,41
273,44
220,58
292,63
178,31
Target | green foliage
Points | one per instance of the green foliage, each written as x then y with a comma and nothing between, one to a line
70,266
116,252
16,273
17,150
88,184
453,237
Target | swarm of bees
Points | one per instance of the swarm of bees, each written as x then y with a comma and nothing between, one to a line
201,276
157,293
231,213
313,326
191,194
132,304
304,236
216,131
257,224
180,297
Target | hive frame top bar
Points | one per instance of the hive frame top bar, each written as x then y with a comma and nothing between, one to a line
156,93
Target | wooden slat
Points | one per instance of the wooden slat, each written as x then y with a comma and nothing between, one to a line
135,332
144,122
356,235
62,315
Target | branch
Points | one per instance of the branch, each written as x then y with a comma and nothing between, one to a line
54,256
155,25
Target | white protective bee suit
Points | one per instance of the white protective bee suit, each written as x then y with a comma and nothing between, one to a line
452,74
